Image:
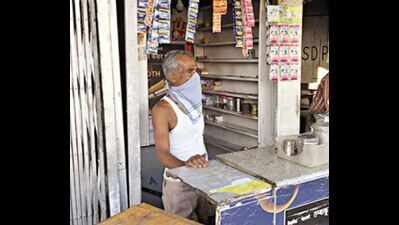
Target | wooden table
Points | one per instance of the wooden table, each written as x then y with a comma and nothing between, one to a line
144,214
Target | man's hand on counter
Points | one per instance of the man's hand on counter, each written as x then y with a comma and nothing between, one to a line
197,161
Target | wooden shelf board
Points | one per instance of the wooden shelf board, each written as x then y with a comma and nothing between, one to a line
231,112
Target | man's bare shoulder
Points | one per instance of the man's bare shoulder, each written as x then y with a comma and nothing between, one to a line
160,109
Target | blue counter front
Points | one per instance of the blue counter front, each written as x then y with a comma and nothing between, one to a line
292,195
301,204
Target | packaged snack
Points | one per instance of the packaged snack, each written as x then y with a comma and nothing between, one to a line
217,23
284,36
274,72
274,34
284,53
192,21
294,71
273,13
294,33
284,71
294,54
274,54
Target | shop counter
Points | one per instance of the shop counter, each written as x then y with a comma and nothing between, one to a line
256,187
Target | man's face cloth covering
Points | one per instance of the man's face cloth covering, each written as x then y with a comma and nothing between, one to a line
189,97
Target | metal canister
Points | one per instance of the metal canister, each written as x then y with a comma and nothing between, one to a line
251,53
231,104
225,102
238,105
217,102
245,107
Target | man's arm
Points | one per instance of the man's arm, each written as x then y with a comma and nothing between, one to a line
162,151
161,131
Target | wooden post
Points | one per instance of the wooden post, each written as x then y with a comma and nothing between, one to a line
279,102
135,92
267,87
289,96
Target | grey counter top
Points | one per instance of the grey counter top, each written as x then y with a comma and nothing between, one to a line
263,163
216,175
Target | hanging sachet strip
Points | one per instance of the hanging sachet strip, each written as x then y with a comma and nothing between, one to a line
141,12
164,16
237,23
219,9
153,34
192,20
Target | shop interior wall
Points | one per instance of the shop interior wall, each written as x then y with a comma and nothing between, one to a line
315,38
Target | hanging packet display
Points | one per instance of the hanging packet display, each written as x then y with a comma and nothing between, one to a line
163,19
141,12
153,39
192,20
216,23
149,13
219,8
238,26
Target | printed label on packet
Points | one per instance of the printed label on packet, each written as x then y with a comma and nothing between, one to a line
294,71
274,72
274,34
274,13
284,35
284,53
274,54
284,72
294,54
294,33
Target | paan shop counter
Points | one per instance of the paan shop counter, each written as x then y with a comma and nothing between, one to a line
257,187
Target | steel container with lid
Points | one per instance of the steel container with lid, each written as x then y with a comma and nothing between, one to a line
321,130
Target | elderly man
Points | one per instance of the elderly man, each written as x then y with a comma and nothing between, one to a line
179,127
321,101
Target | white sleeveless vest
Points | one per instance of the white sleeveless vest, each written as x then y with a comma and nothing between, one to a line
186,139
